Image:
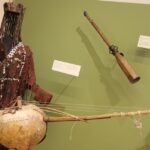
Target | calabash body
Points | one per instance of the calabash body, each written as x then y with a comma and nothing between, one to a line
23,129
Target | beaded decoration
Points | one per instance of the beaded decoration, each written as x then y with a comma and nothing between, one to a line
11,59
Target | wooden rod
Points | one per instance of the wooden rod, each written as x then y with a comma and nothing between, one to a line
96,117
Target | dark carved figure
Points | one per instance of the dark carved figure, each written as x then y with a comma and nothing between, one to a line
16,76
16,62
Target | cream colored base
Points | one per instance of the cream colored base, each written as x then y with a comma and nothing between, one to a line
22,129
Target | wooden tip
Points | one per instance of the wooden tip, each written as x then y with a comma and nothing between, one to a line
135,79
85,13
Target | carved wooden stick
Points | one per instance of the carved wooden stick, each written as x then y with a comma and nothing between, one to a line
124,65
96,117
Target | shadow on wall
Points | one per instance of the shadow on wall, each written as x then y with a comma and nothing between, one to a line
59,89
147,143
141,54
113,87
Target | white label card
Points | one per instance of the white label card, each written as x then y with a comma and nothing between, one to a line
66,68
129,1
144,41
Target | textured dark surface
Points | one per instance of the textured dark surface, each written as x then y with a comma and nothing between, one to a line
16,63
57,30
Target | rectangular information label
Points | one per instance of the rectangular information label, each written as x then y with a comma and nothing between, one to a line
129,1
66,68
144,41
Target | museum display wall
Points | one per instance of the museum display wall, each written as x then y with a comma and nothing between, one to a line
57,31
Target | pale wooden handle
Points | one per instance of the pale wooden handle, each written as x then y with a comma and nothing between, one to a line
99,31
96,117
126,68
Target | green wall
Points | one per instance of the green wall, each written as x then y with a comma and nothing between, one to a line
57,29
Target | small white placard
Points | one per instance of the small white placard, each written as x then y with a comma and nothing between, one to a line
67,68
129,1
144,41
